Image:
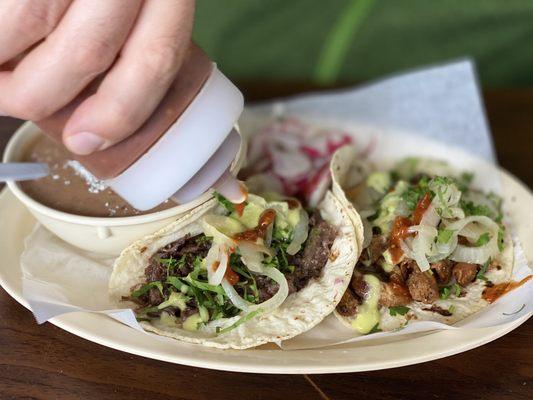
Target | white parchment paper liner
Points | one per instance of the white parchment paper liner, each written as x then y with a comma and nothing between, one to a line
441,103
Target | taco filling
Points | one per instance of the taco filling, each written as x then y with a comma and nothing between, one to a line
246,261
430,238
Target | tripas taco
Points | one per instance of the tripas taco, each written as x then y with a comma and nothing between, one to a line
434,248
237,276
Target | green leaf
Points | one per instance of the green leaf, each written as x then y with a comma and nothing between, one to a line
477,209
177,283
482,240
445,292
205,286
444,235
501,239
241,321
451,309
224,202
481,273
457,289
398,310
375,329
146,288
464,181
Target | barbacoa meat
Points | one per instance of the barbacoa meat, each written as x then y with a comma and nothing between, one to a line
347,307
187,246
308,262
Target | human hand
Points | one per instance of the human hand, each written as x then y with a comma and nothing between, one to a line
50,50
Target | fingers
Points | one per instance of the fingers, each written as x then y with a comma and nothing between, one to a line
83,45
138,81
25,22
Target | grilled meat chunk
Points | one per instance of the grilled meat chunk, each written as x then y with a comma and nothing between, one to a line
443,270
347,307
359,285
394,294
377,247
423,287
465,273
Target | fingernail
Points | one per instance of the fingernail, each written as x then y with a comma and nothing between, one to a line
84,143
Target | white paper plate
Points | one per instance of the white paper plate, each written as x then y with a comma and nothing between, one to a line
16,222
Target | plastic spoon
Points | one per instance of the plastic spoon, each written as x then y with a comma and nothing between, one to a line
22,171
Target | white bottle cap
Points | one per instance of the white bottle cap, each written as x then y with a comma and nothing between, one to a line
192,155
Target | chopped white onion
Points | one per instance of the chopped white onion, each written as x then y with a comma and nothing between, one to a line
422,245
234,297
210,259
249,248
300,233
479,254
217,276
290,164
430,217
253,261
280,296
406,249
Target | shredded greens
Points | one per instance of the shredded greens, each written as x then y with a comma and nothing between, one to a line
398,310
187,290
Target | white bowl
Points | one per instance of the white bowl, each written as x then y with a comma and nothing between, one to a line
105,235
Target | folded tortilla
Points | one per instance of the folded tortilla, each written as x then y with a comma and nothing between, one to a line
347,171
299,312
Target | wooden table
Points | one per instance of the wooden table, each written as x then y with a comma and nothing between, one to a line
44,362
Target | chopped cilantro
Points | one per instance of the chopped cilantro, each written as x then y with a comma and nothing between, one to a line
398,310
204,286
240,321
444,235
457,289
476,209
146,288
224,202
464,181
482,240
481,273
177,283
412,195
444,292
501,239
375,329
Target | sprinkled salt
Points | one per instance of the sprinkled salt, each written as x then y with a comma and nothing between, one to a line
95,185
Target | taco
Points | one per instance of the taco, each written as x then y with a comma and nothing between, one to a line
433,247
238,276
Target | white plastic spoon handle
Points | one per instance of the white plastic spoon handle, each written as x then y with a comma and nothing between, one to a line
22,171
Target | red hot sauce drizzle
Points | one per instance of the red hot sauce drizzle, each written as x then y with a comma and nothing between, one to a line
493,293
401,224
230,275
239,207
251,235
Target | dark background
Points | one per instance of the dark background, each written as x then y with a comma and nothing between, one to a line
350,41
